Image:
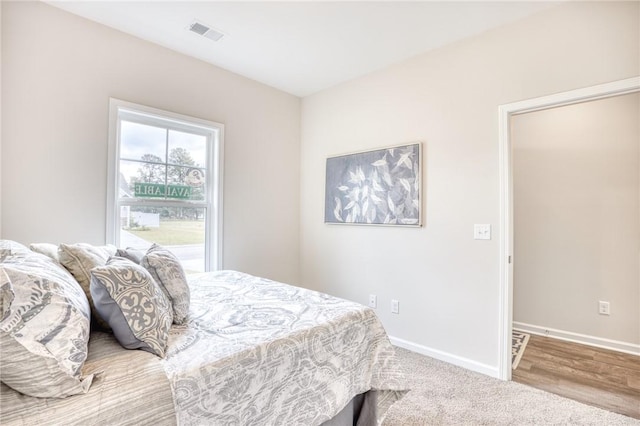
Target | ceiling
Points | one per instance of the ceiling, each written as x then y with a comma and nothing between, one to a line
307,46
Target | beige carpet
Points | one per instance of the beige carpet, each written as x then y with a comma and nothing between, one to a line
443,394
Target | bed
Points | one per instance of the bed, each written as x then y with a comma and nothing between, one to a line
251,351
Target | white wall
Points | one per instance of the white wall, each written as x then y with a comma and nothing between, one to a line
59,71
447,283
576,177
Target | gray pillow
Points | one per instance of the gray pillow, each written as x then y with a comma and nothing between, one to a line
135,307
44,330
131,253
166,269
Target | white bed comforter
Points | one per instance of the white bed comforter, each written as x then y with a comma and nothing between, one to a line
258,352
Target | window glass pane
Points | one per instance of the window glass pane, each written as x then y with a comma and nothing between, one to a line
179,229
127,178
189,177
142,180
143,142
187,149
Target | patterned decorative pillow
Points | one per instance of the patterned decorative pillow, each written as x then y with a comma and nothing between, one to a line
166,269
44,331
6,296
135,307
10,248
80,259
131,253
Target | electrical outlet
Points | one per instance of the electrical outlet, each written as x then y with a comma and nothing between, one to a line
481,231
373,301
395,306
604,308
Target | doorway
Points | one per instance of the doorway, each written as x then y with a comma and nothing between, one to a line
576,186
506,112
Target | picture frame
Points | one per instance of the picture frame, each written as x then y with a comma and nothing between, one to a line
376,187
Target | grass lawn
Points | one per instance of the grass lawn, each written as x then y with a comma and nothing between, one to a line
174,232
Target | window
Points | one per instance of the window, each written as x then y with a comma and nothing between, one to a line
165,184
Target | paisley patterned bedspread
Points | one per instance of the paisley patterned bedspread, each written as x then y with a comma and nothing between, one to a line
258,352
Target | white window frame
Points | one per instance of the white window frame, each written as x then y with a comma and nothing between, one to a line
119,109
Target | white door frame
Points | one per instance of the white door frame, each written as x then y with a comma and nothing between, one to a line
505,112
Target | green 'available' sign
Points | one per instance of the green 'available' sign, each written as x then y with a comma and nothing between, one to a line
158,190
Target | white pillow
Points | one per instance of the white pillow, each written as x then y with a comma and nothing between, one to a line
44,331
10,248
48,249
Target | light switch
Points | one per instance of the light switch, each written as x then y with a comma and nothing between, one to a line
481,231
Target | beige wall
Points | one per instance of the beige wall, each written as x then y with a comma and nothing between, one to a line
446,282
576,175
58,73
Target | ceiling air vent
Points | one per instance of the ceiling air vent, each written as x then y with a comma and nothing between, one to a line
206,31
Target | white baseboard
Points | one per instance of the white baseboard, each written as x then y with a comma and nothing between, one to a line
599,342
469,364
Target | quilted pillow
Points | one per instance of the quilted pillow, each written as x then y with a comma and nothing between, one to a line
135,307
44,331
166,269
80,259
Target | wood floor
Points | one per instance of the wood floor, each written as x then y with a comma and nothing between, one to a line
598,377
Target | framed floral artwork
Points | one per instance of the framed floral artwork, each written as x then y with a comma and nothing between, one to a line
379,187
